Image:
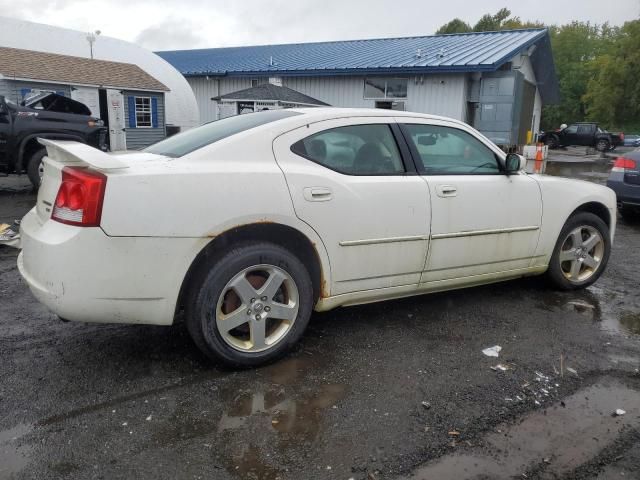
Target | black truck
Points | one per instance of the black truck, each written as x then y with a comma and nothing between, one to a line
47,115
582,134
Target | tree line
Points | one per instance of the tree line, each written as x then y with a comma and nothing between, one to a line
598,68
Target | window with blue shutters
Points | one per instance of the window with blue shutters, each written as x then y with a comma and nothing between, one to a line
143,112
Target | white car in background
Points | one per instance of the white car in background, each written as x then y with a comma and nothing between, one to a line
247,224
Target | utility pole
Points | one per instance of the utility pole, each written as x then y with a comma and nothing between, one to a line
91,38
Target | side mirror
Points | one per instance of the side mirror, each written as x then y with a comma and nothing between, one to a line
514,163
426,140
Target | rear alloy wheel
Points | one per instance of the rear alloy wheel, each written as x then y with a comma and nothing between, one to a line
602,145
581,253
252,305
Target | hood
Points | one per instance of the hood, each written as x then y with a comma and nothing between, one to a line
52,102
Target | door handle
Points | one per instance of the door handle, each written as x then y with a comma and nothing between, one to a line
446,190
317,194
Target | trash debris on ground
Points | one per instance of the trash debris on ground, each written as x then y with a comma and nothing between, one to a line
581,304
619,412
501,367
454,433
426,405
10,236
572,370
492,351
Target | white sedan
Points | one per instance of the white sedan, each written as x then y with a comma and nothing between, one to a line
247,224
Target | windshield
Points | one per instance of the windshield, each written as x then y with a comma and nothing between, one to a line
209,133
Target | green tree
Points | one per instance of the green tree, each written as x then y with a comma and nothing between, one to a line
454,26
575,46
613,90
489,23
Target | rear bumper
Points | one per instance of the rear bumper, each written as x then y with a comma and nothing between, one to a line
81,274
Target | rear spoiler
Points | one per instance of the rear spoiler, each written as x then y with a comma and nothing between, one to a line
65,151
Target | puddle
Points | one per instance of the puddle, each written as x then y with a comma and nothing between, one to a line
599,305
631,322
14,456
266,421
556,440
596,172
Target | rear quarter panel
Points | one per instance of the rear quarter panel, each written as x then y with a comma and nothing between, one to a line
231,183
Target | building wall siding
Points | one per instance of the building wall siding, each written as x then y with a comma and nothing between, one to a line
436,94
5,89
139,138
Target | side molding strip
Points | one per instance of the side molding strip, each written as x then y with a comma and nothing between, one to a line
474,233
375,241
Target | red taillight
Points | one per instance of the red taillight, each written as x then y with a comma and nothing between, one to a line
80,197
624,163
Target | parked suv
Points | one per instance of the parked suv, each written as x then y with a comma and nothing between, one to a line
583,134
47,115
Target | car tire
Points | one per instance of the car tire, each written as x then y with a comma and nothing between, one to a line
228,289
552,142
34,167
577,260
602,145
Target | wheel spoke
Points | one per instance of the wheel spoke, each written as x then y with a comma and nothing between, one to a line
233,320
273,283
258,331
567,255
576,237
282,312
591,242
575,269
244,290
590,262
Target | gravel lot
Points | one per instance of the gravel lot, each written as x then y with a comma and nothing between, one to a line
396,389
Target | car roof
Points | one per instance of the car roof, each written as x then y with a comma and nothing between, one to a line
320,113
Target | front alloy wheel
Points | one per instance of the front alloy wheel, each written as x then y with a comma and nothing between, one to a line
581,253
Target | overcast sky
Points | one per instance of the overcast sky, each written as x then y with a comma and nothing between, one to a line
167,25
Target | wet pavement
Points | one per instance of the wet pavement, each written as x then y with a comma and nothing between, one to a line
399,389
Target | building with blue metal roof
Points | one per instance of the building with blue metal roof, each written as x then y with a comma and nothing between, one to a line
496,81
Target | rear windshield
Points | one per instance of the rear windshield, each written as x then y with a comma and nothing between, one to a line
186,142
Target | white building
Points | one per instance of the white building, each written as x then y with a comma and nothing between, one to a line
496,81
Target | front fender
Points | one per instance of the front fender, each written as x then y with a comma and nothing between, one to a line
560,198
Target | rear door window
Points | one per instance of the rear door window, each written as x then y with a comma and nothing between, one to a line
354,150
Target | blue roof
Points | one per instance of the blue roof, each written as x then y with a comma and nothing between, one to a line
468,52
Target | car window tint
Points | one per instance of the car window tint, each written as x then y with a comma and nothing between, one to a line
196,138
571,129
449,151
584,129
354,150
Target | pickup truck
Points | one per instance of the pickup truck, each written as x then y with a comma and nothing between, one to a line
583,134
47,115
